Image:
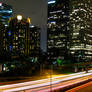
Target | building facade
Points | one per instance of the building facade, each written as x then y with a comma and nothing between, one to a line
18,36
34,41
22,39
2,38
58,29
81,29
5,13
69,29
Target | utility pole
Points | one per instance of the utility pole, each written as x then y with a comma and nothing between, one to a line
51,78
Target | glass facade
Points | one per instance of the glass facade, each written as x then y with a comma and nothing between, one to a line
17,36
5,13
80,28
58,29
2,37
22,39
69,29
34,41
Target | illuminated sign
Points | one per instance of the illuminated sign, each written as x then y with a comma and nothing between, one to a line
0,4
51,2
5,11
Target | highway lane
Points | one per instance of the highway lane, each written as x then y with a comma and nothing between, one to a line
59,85
87,87
43,83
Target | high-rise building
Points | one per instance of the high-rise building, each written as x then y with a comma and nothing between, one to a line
34,41
58,28
81,29
69,28
22,38
2,38
5,13
18,35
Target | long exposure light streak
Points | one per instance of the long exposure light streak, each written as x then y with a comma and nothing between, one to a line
41,83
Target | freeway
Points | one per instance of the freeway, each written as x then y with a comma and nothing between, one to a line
87,87
46,85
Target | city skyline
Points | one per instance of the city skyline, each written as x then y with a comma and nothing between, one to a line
45,45
69,29
36,10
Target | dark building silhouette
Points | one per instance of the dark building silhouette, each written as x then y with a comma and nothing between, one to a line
22,39
69,29
18,35
34,41
2,38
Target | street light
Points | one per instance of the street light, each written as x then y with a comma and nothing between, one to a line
19,17
0,4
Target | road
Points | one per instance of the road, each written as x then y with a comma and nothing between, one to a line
46,85
87,87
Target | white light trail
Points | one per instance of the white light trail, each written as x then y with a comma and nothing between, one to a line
40,83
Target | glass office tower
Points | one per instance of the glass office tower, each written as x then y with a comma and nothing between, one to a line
69,29
18,36
58,29
23,38
81,29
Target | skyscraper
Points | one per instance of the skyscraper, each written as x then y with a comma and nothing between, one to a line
18,35
5,13
34,41
81,29
69,29
58,28
22,39
2,38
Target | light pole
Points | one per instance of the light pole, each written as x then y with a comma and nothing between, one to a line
51,78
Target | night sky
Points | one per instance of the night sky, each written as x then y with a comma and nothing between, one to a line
36,10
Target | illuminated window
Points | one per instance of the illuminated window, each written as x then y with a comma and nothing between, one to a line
10,47
16,38
9,33
13,47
